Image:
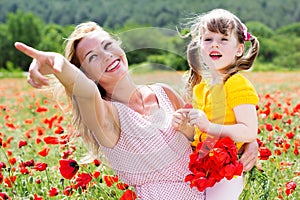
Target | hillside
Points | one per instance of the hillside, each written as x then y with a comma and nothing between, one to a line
167,13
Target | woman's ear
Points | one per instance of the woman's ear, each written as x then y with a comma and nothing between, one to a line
240,50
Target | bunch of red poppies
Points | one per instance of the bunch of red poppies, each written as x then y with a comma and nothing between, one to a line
213,160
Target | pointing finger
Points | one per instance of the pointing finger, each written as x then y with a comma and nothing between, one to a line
29,51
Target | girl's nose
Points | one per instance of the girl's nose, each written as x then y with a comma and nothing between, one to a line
215,44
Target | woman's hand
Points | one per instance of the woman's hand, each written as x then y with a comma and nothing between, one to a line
43,63
179,120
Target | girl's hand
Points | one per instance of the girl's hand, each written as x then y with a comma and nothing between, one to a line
198,118
43,63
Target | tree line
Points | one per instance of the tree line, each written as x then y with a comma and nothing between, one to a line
279,49
167,13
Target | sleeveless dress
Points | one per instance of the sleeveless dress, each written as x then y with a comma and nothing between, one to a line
150,155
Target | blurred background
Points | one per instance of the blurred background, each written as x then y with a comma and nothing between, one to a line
147,28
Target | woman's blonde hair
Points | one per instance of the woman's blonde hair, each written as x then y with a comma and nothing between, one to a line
81,31
218,21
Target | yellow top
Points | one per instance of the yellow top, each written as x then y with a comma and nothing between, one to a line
218,101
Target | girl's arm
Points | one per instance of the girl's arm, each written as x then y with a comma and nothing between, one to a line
245,129
93,109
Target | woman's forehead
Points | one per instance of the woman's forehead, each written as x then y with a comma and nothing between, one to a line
90,42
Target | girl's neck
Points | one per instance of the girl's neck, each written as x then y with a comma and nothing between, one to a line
216,76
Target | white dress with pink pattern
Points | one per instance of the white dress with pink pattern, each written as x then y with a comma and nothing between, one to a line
150,155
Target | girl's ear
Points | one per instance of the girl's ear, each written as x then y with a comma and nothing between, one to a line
240,50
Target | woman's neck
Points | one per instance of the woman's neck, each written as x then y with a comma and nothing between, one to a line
122,91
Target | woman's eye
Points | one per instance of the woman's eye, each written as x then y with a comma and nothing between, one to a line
107,45
224,39
207,39
92,57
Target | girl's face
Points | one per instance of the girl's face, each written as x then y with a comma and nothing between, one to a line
218,50
101,57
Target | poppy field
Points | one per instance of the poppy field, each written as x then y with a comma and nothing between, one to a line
39,160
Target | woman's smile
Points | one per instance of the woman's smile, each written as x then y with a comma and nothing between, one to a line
115,65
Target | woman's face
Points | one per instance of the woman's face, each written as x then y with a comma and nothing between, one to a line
219,50
101,57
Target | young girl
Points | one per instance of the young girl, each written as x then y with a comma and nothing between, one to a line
224,101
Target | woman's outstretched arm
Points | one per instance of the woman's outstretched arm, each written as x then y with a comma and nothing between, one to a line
98,115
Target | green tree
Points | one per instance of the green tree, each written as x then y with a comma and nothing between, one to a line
259,29
53,38
5,45
23,27
290,29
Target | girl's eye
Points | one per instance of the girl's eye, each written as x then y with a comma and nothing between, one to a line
207,39
107,45
224,39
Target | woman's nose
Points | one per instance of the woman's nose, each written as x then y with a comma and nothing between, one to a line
107,55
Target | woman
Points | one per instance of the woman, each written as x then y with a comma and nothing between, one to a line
130,123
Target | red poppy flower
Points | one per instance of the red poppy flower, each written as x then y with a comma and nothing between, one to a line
44,152
28,121
53,192
38,140
9,152
40,166
11,125
213,160
96,174
4,196
122,186
12,160
97,162
22,143
290,135
1,177
264,153
24,170
59,130
110,180
36,197
279,193
68,168
10,180
27,134
50,121
41,109
290,187
296,150
83,180
66,153
40,131
128,195
68,191
2,165
269,127
51,140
